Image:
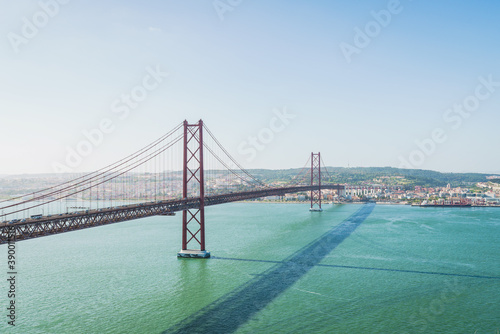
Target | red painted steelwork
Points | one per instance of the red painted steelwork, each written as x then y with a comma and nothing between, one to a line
34,228
316,175
193,220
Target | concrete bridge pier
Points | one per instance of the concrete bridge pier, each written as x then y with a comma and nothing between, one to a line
194,253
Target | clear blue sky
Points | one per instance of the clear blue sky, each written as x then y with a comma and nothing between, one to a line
232,73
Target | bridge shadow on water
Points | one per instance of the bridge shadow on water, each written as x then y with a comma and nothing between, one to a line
370,268
231,311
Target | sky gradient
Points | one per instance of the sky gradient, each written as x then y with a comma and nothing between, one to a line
239,64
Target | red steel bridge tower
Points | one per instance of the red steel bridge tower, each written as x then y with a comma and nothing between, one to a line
119,180
316,177
193,185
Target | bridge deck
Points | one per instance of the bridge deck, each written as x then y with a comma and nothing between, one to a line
60,223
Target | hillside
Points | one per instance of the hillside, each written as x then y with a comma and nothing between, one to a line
406,178
409,178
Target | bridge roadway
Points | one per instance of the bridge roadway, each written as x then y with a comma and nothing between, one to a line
66,222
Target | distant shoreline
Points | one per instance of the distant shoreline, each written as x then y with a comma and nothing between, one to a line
324,203
330,203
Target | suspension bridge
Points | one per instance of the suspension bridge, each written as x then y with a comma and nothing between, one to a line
181,171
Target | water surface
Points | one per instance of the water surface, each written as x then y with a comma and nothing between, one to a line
348,269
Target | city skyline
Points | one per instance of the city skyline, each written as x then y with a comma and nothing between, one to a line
385,83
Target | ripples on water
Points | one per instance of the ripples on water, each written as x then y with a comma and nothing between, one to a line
402,269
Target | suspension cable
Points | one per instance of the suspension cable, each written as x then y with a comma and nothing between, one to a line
88,177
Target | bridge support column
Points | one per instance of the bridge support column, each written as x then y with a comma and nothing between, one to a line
193,185
316,180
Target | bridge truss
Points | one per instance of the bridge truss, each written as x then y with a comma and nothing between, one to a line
152,188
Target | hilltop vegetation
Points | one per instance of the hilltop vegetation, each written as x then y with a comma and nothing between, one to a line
12,185
408,178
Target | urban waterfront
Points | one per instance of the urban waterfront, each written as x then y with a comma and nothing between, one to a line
402,270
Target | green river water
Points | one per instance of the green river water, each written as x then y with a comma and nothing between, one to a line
275,268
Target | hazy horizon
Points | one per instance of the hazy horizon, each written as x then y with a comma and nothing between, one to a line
88,172
372,83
